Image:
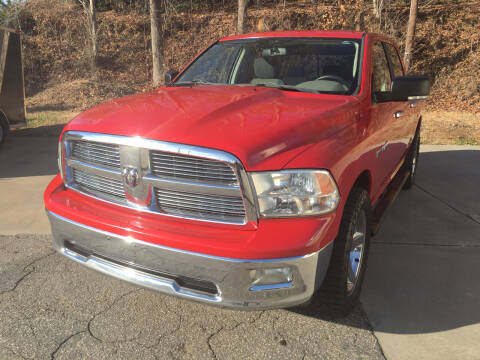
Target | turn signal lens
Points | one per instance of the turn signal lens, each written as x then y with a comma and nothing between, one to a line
60,159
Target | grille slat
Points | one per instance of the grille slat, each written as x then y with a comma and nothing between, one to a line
184,167
200,210
195,175
202,198
200,162
95,185
97,160
97,153
187,168
88,182
180,201
201,207
108,149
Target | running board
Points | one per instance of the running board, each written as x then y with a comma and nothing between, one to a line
387,199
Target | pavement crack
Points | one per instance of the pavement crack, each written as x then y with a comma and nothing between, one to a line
29,272
52,356
39,259
17,283
210,338
447,204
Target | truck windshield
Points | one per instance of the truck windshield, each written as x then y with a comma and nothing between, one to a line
320,65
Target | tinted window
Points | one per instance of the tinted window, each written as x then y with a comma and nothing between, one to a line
394,60
381,73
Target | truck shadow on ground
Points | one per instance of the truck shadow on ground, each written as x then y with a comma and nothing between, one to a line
421,276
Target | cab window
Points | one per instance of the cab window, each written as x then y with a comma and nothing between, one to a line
395,62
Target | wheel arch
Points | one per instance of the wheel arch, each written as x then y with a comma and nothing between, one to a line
364,181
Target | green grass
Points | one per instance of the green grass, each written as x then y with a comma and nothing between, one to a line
467,141
47,118
44,123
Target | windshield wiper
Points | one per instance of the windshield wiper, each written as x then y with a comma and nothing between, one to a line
193,83
288,88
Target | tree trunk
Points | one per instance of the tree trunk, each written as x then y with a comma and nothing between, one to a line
157,41
242,13
412,20
93,31
377,8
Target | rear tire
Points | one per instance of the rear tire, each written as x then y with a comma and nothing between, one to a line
411,163
4,128
341,288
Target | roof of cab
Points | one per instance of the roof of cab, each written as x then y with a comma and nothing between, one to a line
299,33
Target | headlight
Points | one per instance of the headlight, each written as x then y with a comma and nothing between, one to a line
295,193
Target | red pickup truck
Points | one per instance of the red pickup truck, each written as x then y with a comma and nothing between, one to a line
253,180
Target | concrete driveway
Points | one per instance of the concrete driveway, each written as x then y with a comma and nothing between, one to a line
420,293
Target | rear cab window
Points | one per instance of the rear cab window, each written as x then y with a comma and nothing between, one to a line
381,80
395,62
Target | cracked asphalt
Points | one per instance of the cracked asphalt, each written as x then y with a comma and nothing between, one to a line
53,308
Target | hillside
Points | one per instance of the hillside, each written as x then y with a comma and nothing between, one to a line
58,75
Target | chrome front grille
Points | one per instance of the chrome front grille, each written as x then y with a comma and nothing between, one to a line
97,153
172,179
176,166
208,207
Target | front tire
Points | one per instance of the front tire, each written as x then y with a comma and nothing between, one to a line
341,288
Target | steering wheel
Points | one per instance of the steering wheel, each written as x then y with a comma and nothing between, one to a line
334,78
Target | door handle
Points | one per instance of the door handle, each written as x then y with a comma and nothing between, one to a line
397,114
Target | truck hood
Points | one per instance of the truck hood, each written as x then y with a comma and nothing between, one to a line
264,127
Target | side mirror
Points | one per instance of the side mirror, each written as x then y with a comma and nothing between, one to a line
170,75
404,88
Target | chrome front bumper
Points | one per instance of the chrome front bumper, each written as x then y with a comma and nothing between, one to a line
210,279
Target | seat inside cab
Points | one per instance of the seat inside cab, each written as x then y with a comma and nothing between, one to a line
317,67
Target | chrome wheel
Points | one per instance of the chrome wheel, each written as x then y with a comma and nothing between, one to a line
357,247
414,164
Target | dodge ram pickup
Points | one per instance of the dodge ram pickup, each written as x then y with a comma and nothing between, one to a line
253,180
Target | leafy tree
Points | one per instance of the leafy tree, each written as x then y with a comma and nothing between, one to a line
10,11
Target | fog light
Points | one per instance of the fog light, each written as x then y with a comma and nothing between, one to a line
263,279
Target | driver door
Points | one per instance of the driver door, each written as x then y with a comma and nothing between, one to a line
387,116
